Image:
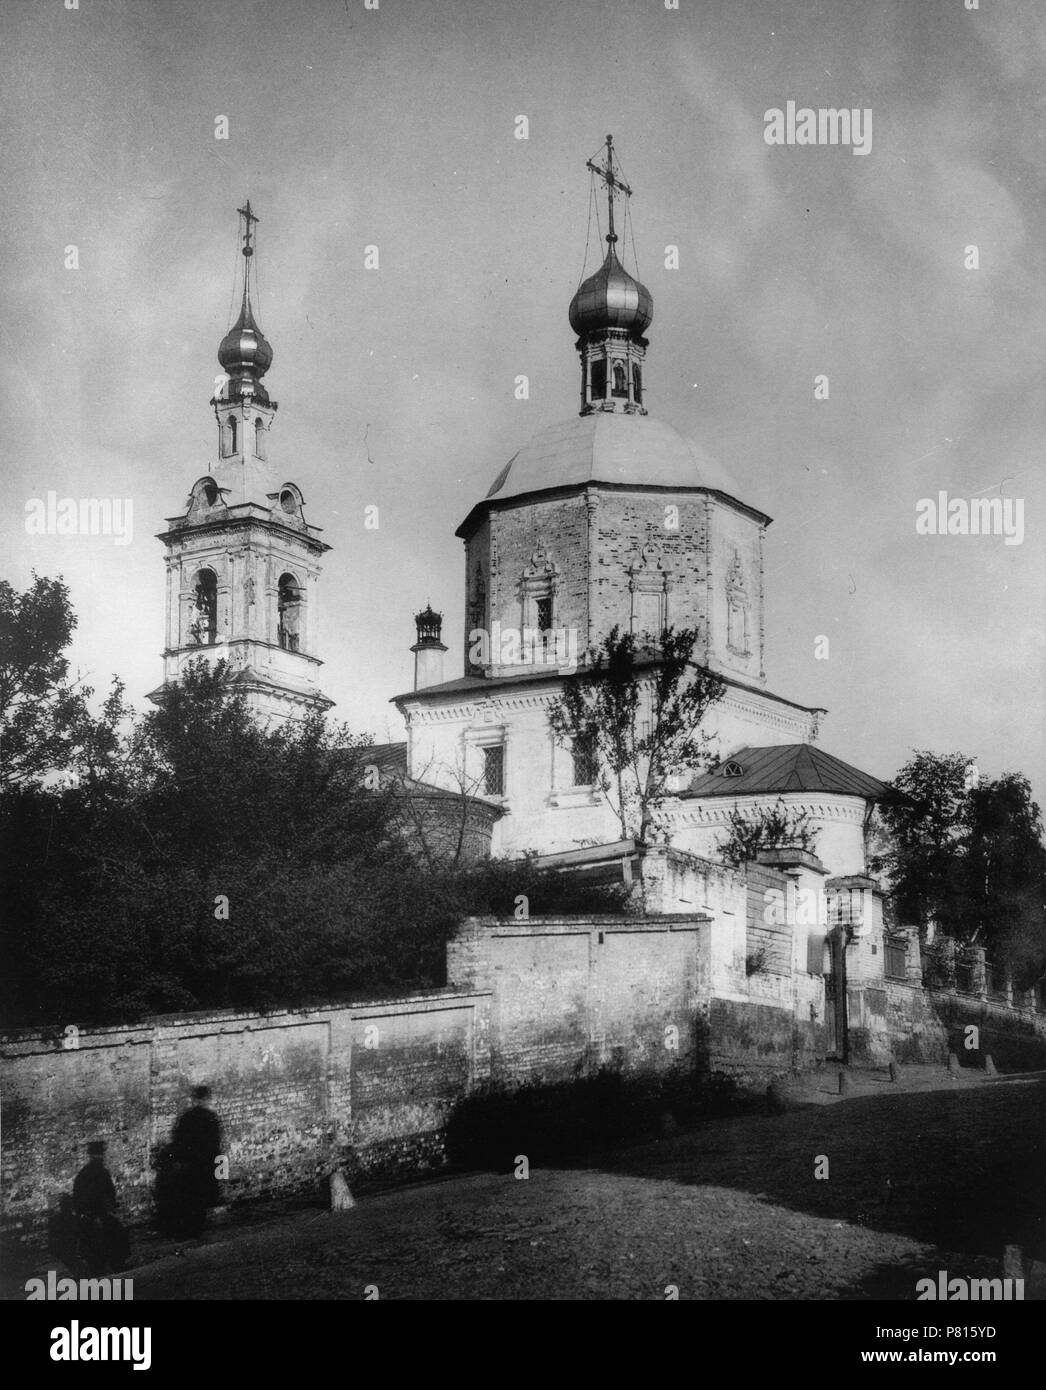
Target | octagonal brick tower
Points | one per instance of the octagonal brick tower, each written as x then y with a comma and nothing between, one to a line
613,518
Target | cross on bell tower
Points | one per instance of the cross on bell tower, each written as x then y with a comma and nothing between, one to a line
610,313
242,407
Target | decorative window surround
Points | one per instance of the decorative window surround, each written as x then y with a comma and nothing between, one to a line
649,584
738,620
539,581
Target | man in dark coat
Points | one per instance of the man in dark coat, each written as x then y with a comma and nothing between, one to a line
103,1240
194,1149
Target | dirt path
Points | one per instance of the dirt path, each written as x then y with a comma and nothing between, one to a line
918,1181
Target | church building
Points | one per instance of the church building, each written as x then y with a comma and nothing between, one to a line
614,519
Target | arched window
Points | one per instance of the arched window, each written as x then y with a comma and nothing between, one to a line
288,603
620,386
637,383
232,434
599,379
203,617
259,438
288,501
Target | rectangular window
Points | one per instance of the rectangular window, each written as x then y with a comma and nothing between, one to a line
494,771
599,379
896,958
585,767
543,609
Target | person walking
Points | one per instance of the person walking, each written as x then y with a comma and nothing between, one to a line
195,1146
104,1246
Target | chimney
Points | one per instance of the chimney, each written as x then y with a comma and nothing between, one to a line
428,649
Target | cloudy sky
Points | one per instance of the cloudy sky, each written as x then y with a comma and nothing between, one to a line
396,127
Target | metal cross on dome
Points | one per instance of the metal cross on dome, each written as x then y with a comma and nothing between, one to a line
248,218
614,183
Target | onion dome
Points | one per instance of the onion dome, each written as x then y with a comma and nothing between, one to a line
244,352
611,299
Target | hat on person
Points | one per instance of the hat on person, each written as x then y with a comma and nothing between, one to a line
96,1146
201,1093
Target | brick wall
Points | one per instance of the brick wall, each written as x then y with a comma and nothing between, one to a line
370,1085
297,1092
572,994
768,933
910,1024
754,1042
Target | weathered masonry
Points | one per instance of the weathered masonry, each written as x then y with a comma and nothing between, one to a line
370,1086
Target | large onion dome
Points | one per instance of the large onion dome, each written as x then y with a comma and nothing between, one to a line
245,349
611,299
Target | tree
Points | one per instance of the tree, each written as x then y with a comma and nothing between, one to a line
966,855
217,864
46,725
1005,876
771,827
638,718
923,815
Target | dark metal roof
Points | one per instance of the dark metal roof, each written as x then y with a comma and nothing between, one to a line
788,767
387,757
471,684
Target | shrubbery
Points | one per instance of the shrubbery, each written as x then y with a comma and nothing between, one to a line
188,859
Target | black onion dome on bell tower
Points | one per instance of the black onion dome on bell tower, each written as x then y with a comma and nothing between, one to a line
245,354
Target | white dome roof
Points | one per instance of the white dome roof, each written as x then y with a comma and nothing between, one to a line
605,447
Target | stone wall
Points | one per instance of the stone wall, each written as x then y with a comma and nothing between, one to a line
901,1020
298,1092
571,994
370,1085
768,937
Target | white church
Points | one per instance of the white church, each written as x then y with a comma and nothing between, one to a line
609,519
612,519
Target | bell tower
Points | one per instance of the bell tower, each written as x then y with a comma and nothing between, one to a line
243,563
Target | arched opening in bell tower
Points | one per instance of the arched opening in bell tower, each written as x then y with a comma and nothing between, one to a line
289,602
203,616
